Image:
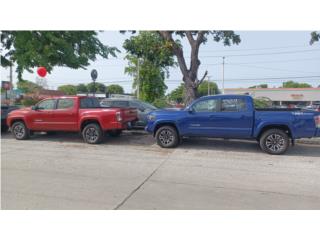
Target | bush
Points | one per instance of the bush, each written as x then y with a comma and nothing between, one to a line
262,103
27,102
160,103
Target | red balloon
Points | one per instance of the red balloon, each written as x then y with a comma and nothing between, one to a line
42,71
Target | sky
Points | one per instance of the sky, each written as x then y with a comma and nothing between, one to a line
270,57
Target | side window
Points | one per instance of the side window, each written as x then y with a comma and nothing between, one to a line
65,103
210,105
120,104
47,104
233,105
85,103
89,102
134,104
106,103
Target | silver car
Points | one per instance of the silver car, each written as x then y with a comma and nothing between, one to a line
143,108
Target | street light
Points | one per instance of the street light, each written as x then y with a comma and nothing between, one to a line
94,76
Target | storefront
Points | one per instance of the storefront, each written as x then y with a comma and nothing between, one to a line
282,96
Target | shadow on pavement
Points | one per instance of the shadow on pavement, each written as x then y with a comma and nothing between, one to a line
141,138
246,146
127,137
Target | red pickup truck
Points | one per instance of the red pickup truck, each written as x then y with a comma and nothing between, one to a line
76,114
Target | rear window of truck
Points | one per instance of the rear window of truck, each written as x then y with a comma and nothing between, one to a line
89,103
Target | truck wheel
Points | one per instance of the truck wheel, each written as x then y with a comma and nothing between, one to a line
20,131
115,133
274,141
167,137
92,133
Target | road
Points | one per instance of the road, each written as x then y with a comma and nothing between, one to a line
131,172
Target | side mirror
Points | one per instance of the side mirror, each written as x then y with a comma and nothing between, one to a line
142,109
190,110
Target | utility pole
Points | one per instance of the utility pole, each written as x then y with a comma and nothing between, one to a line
223,74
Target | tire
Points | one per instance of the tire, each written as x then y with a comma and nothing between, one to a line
274,141
167,137
115,133
92,133
20,131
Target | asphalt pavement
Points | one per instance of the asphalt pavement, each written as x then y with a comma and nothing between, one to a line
132,172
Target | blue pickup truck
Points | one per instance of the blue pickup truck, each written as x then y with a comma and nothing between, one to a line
234,117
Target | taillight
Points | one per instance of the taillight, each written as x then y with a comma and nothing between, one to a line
317,121
118,116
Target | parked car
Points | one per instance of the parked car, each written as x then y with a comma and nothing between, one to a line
74,114
234,117
142,107
5,109
313,107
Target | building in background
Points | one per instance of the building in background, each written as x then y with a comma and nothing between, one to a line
282,96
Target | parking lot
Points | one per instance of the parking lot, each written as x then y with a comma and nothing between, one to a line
132,172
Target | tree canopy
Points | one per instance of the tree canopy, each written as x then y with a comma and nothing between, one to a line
82,88
97,87
315,37
68,89
115,89
178,95
292,84
149,60
27,86
260,86
203,89
30,49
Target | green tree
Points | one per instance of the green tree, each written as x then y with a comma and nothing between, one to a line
292,84
149,60
82,88
99,87
315,37
27,86
203,89
177,95
68,89
160,102
260,86
262,102
30,49
195,39
115,89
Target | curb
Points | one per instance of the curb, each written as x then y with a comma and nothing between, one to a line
313,141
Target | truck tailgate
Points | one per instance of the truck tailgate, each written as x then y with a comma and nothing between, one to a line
129,114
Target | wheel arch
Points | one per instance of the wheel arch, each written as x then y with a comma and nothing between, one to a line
18,119
282,127
85,122
166,123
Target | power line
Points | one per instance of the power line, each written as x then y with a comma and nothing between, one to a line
273,69
260,54
257,49
274,61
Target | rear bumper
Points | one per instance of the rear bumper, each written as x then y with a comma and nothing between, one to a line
3,122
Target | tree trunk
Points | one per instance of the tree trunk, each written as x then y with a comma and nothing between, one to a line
190,93
190,75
